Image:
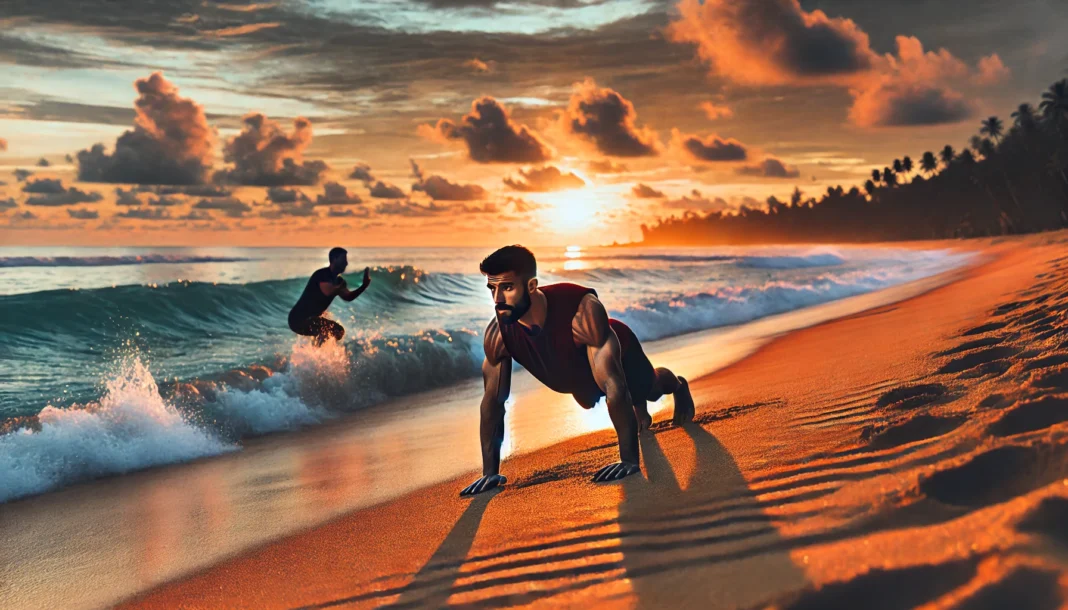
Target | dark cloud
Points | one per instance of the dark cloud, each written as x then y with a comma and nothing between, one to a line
609,120
772,42
301,209
277,194
362,172
84,214
196,215
264,155
348,213
195,190
44,185
22,174
381,190
907,105
128,198
164,201
644,191
697,202
769,168
25,215
171,142
146,214
607,166
42,162
7,204
491,135
53,198
544,179
336,194
441,189
407,208
709,149
232,207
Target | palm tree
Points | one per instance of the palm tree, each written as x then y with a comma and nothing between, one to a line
966,157
975,143
870,187
928,163
876,176
906,164
987,148
1054,103
1024,117
897,166
889,177
992,127
947,155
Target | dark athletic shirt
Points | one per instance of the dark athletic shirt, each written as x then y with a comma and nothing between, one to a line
551,355
313,302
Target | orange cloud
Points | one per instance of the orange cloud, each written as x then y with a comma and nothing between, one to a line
776,42
264,155
772,42
239,30
544,179
607,166
3,144
171,142
708,149
769,168
716,111
491,136
606,118
992,71
478,65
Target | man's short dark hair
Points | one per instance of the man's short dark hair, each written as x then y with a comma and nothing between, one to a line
510,258
336,252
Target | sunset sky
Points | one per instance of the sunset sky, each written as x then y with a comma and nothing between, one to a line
478,122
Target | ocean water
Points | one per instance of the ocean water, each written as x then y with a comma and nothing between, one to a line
89,336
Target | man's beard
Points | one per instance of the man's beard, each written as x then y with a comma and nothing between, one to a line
506,314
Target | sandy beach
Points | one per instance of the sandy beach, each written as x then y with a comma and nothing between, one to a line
909,455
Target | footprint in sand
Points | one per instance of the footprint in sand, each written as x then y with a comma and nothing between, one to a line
998,475
1048,519
1031,415
1052,378
886,589
979,358
912,396
919,428
985,328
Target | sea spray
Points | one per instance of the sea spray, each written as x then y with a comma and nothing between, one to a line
130,428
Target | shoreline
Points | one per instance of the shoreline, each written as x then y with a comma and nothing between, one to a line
526,476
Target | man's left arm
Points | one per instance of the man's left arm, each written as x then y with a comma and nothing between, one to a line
591,329
350,295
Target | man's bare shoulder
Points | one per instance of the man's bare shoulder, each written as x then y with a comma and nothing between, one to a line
493,342
590,324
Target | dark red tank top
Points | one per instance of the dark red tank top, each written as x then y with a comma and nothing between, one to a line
551,355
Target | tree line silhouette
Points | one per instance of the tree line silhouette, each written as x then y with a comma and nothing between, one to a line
1006,181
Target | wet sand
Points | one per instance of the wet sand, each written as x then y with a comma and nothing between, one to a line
910,455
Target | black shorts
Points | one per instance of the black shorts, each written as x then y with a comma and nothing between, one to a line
638,371
640,374
316,326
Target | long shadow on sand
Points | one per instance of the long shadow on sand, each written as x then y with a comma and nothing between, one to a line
432,584
706,545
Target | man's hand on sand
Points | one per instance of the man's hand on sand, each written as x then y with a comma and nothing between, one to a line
615,472
484,484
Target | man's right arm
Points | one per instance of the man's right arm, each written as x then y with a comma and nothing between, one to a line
497,382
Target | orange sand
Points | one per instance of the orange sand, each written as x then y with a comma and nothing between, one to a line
909,456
